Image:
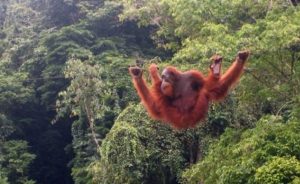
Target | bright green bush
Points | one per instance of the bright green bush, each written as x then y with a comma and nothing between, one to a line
278,170
248,157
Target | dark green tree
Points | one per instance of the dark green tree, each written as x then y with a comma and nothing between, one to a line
138,150
14,161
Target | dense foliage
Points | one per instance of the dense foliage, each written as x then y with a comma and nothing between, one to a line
134,146
69,113
268,153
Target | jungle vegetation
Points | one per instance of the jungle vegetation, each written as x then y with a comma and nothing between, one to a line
69,112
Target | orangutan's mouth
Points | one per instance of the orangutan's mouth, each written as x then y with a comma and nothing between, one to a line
216,68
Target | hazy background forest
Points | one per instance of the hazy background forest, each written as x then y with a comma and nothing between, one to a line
69,113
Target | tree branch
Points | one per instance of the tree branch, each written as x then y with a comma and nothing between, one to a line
91,124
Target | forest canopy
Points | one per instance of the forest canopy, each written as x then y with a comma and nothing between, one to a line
70,114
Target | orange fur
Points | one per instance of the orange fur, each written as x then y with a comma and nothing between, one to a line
192,92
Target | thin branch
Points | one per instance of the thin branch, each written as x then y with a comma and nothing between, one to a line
292,65
265,83
91,124
278,69
283,106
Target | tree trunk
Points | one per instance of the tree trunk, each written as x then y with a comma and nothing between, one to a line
91,124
